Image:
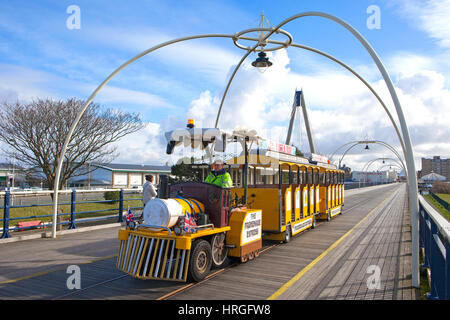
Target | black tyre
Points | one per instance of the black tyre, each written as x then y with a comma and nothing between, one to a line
329,215
200,261
287,234
313,226
218,250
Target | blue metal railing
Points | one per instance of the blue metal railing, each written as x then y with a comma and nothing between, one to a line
73,213
435,240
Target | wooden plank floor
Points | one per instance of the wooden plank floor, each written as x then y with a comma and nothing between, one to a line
380,240
383,239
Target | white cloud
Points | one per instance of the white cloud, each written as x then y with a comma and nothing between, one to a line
432,17
197,55
142,147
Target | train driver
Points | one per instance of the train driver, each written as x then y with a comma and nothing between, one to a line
218,175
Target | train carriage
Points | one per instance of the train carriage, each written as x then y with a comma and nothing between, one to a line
193,226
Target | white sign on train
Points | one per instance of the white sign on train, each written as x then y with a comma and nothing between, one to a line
252,227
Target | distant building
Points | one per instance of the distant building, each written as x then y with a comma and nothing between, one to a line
11,175
436,165
375,177
114,175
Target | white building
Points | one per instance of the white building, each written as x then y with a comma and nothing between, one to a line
114,175
375,176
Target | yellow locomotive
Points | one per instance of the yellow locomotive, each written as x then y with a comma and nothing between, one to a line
193,226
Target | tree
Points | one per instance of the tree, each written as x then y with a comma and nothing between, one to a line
183,170
35,133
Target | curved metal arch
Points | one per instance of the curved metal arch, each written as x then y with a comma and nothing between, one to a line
409,156
376,142
332,155
390,165
92,96
369,163
326,55
345,152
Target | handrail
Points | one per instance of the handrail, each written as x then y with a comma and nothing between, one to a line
434,235
34,192
74,216
442,223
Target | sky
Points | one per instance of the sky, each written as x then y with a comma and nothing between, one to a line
48,50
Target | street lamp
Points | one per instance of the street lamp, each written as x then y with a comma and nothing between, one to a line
262,63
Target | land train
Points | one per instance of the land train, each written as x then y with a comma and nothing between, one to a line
194,226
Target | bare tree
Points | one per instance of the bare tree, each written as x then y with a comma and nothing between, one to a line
35,133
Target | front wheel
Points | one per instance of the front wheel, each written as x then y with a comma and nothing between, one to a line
218,250
313,225
200,261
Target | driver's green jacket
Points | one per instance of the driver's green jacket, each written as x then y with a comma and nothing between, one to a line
221,180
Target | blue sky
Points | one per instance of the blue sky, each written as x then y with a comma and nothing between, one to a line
41,57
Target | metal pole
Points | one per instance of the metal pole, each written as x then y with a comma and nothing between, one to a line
291,121
307,126
6,206
245,178
120,206
73,198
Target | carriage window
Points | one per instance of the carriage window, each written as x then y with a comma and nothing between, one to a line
316,177
285,177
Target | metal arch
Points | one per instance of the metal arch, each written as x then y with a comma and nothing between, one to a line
92,96
229,84
376,142
345,152
390,165
332,155
331,58
363,81
390,148
239,36
409,156
369,163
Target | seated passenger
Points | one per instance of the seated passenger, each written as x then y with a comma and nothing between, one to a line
218,175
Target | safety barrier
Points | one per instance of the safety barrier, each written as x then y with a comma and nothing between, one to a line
435,240
72,221
356,184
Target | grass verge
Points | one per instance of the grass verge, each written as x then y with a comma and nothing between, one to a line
438,207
